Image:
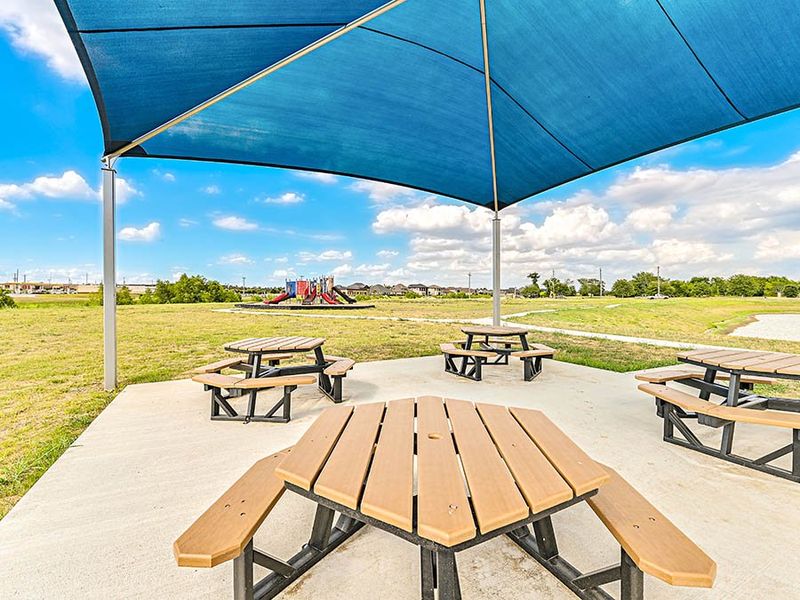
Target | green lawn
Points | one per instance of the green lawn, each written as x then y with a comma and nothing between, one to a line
51,364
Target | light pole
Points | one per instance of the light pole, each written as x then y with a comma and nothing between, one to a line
244,279
469,284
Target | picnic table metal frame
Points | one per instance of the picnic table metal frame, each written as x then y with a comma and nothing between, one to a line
735,394
438,566
253,367
531,368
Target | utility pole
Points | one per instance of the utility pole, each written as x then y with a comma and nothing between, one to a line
243,282
658,277
601,282
469,284
553,284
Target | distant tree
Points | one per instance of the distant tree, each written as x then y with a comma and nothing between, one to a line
124,296
701,288
775,286
589,287
791,290
623,288
6,301
644,284
742,285
532,290
147,298
556,287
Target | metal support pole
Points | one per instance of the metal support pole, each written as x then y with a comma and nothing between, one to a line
496,270
109,278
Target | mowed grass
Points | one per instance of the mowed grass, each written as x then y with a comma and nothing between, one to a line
51,363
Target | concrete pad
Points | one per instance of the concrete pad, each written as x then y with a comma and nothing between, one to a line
101,522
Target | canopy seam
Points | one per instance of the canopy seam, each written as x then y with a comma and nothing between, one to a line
195,27
700,62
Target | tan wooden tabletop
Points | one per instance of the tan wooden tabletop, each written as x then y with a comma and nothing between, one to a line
274,345
752,361
516,462
492,330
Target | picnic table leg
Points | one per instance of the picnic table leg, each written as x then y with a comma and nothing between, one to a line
796,452
427,573
468,343
709,377
243,574
523,339
631,580
324,380
733,400
251,405
447,576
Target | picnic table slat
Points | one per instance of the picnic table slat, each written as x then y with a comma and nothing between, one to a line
281,343
540,483
310,344
700,355
389,493
495,497
237,343
490,330
243,346
774,366
303,465
342,477
730,362
443,510
756,362
575,466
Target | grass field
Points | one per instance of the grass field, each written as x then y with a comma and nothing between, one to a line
51,364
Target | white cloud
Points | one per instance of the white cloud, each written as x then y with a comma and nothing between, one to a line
233,223
282,260
341,270
186,223
387,253
168,177
326,178
286,198
780,246
372,270
212,190
283,273
382,192
6,205
35,27
327,255
235,259
125,191
148,233
650,218
432,216
683,252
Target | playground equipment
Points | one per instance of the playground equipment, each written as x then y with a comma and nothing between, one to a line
319,291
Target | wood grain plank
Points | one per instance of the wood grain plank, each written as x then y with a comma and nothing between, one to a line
756,361
540,483
443,510
574,465
735,360
772,366
494,494
699,355
657,546
342,477
303,465
225,528
389,493
235,345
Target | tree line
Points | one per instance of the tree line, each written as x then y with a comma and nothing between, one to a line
645,283
186,290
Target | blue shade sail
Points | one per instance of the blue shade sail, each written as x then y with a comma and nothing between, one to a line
576,86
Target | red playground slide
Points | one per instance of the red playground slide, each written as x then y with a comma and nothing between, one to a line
280,298
328,299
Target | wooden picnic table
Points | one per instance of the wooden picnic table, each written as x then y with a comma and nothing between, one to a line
359,461
259,350
739,363
488,332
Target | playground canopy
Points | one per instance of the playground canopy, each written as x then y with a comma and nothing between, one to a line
486,101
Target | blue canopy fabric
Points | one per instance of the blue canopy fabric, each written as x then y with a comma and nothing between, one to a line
576,86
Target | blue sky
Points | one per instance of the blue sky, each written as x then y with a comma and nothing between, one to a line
724,204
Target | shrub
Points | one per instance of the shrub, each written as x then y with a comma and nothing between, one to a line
6,301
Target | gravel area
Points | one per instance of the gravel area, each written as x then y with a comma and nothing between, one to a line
772,327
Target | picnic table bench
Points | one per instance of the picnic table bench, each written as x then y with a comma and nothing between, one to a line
731,375
519,469
493,345
326,372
